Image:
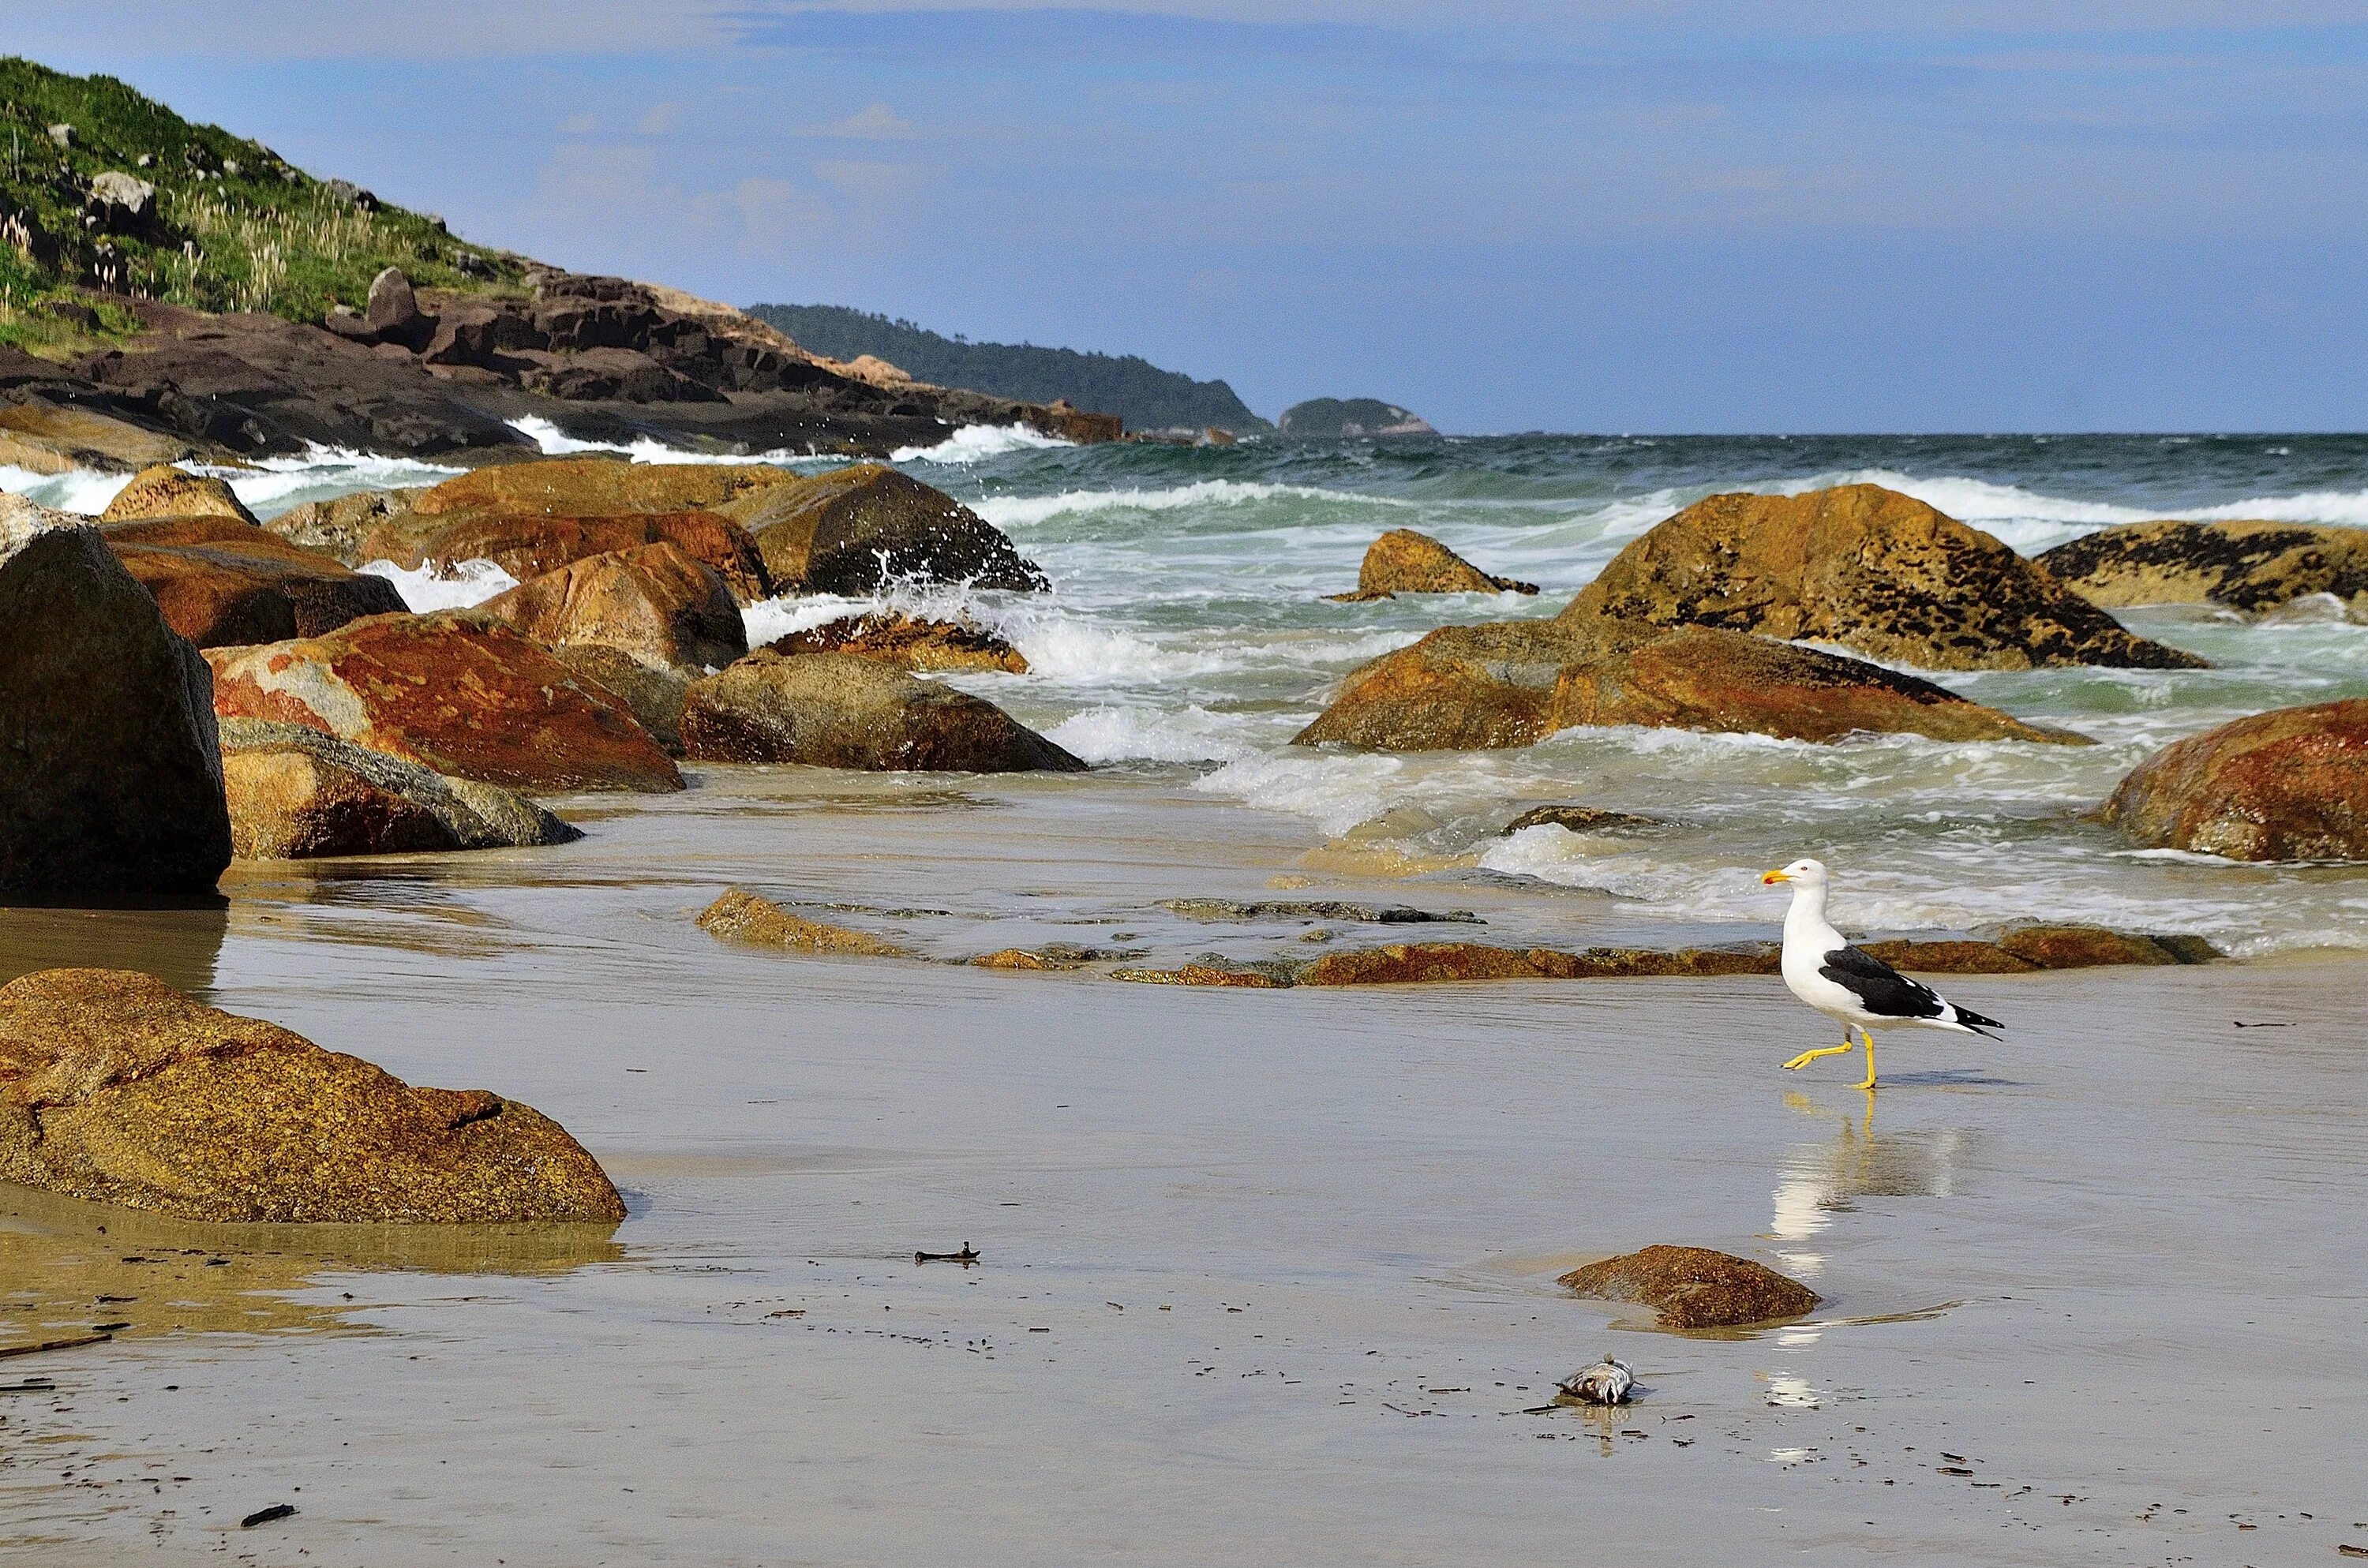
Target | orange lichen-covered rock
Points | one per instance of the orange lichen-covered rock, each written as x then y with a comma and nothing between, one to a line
222,583
907,643
2291,784
595,487
465,696
1695,1287
655,600
838,711
526,545
2251,565
741,917
1870,569
164,491
117,1088
1406,561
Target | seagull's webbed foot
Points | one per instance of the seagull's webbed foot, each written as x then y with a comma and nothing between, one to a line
1808,1056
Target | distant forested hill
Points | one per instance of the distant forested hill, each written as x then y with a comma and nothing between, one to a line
1145,396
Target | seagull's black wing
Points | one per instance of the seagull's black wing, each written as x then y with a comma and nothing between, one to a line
1881,989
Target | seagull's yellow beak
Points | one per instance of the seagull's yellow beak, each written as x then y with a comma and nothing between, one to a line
1770,878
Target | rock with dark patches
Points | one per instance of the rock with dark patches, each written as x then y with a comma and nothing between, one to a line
653,692
392,312
1868,568
526,545
1238,977
908,643
741,917
335,528
837,710
853,530
2291,784
295,793
1311,909
222,582
1694,1287
1584,819
116,1088
110,771
2250,566
1406,561
166,491
1407,963
654,601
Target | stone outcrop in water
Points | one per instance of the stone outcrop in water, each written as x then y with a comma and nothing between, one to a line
1695,1287
335,528
741,917
168,492
594,487
222,582
1584,819
2291,784
838,711
656,601
295,793
110,776
1404,562
525,545
463,696
907,643
2248,566
853,530
1868,568
652,691
1514,683
116,1088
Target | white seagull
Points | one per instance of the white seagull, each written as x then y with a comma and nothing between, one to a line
1849,985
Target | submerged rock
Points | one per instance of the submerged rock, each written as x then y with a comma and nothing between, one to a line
741,917
1582,819
2291,784
1350,418
1311,909
110,774
907,643
851,530
1406,561
654,600
466,696
837,710
2248,566
1695,1287
164,491
1514,683
1868,568
296,793
528,545
222,582
1432,962
116,1088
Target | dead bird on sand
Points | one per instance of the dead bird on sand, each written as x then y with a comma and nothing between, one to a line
1606,1382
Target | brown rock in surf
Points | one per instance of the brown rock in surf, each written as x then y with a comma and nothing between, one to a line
1406,561
2291,784
2250,566
654,600
1695,1287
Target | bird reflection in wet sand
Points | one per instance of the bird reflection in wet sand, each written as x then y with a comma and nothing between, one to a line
1825,1178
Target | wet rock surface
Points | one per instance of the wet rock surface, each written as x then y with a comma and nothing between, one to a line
166,491
908,643
526,545
656,601
1694,1287
117,1088
222,582
335,528
1585,819
851,530
838,711
466,696
1406,561
2250,566
296,793
1311,909
1867,568
2291,784
741,917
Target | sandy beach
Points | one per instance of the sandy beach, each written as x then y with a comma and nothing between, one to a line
1264,1277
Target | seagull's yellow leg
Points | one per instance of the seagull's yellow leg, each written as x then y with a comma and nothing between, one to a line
1870,1057
1808,1056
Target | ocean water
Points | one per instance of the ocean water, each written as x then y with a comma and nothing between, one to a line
1186,637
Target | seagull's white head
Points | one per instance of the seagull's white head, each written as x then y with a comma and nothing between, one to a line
1808,873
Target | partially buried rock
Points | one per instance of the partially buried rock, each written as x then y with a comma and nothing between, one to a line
1871,569
117,1088
741,917
1404,562
655,600
466,696
1582,819
653,691
527,545
851,530
164,491
110,774
222,583
1514,683
1695,1287
337,527
296,793
907,643
2291,784
837,710
2249,566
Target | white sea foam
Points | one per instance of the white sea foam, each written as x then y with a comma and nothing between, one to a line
1008,511
976,443
427,588
76,490
1145,733
557,443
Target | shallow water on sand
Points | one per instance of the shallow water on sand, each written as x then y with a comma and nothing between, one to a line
1266,1277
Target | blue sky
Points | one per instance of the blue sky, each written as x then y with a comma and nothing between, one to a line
1508,214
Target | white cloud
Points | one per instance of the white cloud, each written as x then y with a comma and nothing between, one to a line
876,123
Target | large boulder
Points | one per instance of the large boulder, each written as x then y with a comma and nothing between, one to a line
1870,569
908,643
838,710
597,487
110,776
54,438
1404,562
651,690
222,583
1514,683
1695,1287
527,544
296,793
392,312
2291,784
655,600
116,1088
164,491
2249,566
337,527
852,530
464,695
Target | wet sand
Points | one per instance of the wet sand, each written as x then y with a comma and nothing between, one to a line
1267,1276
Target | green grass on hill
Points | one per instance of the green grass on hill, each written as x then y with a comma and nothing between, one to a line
239,228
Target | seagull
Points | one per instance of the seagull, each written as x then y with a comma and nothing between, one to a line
1849,985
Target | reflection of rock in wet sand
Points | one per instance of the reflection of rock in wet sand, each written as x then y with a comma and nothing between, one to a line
68,1266
1824,1178
178,945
